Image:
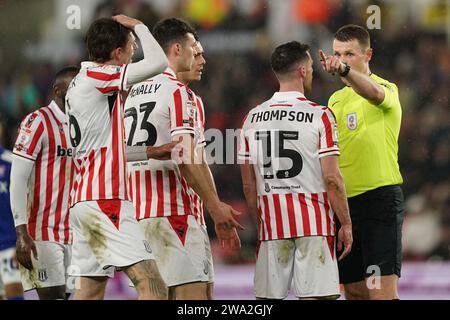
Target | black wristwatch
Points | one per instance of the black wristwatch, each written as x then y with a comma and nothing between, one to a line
346,70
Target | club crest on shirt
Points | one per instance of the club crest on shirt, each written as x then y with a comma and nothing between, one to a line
334,130
190,93
191,108
42,275
30,120
24,135
352,121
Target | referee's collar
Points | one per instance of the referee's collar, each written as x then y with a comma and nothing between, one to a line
57,112
286,95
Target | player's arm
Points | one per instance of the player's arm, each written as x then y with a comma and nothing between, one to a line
142,153
120,78
334,184
20,174
200,151
249,188
328,151
26,150
199,177
363,85
248,173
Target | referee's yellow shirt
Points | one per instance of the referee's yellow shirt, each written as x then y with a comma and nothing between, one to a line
368,138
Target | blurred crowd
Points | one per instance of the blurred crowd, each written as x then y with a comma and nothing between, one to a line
413,57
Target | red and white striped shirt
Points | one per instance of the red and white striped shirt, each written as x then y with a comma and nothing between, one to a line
156,110
284,138
94,107
43,138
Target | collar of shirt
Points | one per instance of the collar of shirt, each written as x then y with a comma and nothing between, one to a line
58,112
88,64
287,95
169,72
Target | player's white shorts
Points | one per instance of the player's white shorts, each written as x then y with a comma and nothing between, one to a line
307,262
181,248
105,234
50,269
9,269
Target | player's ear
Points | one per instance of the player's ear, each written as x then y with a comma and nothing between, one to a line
177,49
174,49
56,91
115,54
368,54
302,71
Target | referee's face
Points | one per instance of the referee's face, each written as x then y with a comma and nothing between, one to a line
353,54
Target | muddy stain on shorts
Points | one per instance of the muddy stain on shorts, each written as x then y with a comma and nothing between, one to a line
321,254
157,234
92,230
285,251
30,278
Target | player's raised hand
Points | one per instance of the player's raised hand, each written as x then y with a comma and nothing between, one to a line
165,151
126,21
24,247
345,239
331,64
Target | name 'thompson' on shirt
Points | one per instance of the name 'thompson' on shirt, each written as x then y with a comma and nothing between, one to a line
284,138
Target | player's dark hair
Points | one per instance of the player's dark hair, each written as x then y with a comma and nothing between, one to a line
350,32
171,30
66,71
287,55
105,35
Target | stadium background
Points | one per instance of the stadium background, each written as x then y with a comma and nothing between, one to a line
411,49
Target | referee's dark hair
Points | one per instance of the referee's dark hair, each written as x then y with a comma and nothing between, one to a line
285,56
171,30
103,36
350,32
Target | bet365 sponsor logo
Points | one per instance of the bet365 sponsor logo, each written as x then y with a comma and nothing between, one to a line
62,152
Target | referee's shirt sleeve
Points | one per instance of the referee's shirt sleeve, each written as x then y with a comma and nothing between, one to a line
328,134
391,99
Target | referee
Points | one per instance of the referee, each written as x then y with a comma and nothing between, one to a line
368,114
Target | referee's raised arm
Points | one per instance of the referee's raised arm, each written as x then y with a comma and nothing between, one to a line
359,81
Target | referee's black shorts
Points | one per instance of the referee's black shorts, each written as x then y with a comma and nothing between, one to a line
377,218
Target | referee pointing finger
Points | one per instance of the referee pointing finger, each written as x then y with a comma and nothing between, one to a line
368,115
